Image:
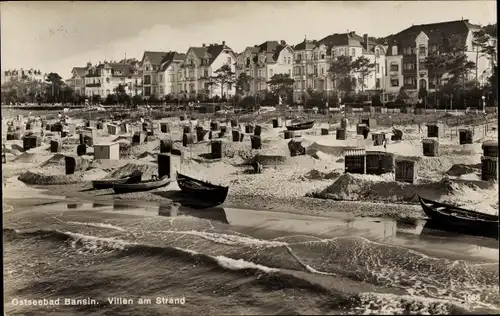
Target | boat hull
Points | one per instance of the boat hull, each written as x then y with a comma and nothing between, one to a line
456,220
107,183
141,186
211,194
301,126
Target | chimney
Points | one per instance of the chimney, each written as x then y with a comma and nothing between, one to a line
223,42
282,42
365,40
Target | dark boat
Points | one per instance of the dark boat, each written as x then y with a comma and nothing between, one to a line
201,190
458,220
144,185
300,126
134,177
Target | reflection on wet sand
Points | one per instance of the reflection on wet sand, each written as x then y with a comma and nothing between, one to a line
429,231
213,213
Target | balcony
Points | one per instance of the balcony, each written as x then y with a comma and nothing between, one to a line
298,61
93,85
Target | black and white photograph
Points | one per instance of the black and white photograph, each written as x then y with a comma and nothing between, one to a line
249,158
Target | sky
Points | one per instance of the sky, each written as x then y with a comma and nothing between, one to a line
56,36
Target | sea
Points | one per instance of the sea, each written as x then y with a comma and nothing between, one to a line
85,258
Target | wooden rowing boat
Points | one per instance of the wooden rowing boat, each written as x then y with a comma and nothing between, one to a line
134,177
459,220
144,185
300,126
201,190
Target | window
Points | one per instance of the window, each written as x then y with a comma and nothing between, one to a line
377,83
346,51
289,60
395,82
161,78
434,48
248,62
229,61
290,72
422,50
353,52
205,73
377,68
322,56
315,70
394,66
410,81
322,70
315,56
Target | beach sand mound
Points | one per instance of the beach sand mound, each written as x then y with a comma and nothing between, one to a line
57,159
147,154
147,170
32,178
461,169
267,160
29,158
353,187
315,174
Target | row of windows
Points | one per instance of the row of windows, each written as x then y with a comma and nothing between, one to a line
422,50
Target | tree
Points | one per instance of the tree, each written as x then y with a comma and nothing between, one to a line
209,86
54,87
340,71
137,99
281,85
481,41
224,76
363,67
111,99
243,84
22,90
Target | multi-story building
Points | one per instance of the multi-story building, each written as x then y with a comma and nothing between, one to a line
103,79
151,65
200,66
408,50
273,58
77,80
22,73
168,78
263,61
245,64
313,58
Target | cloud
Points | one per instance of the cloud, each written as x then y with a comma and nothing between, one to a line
55,36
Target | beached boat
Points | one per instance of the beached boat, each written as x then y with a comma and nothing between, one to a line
455,219
300,126
134,177
201,190
144,185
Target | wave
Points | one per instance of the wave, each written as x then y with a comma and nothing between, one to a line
445,281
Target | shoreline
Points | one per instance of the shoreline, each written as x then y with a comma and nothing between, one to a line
298,205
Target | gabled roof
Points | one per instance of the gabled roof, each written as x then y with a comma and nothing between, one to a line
271,49
80,71
211,51
155,58
305,45
459,30
372,43
170,58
